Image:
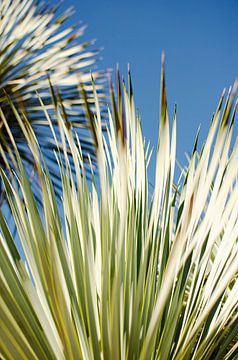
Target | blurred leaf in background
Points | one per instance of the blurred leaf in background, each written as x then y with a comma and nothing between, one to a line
37,45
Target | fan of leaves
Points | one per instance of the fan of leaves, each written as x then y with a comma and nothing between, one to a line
35,45
115,275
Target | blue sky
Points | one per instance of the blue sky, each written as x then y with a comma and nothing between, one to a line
200,43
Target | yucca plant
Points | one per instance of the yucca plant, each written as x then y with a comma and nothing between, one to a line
37,46
115,275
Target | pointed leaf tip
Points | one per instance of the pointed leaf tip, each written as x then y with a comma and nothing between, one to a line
129,81
163,58
163,97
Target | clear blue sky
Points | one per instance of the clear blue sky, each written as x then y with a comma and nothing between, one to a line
200,39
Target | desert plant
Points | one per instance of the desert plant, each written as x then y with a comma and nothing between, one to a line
115,275
35,45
